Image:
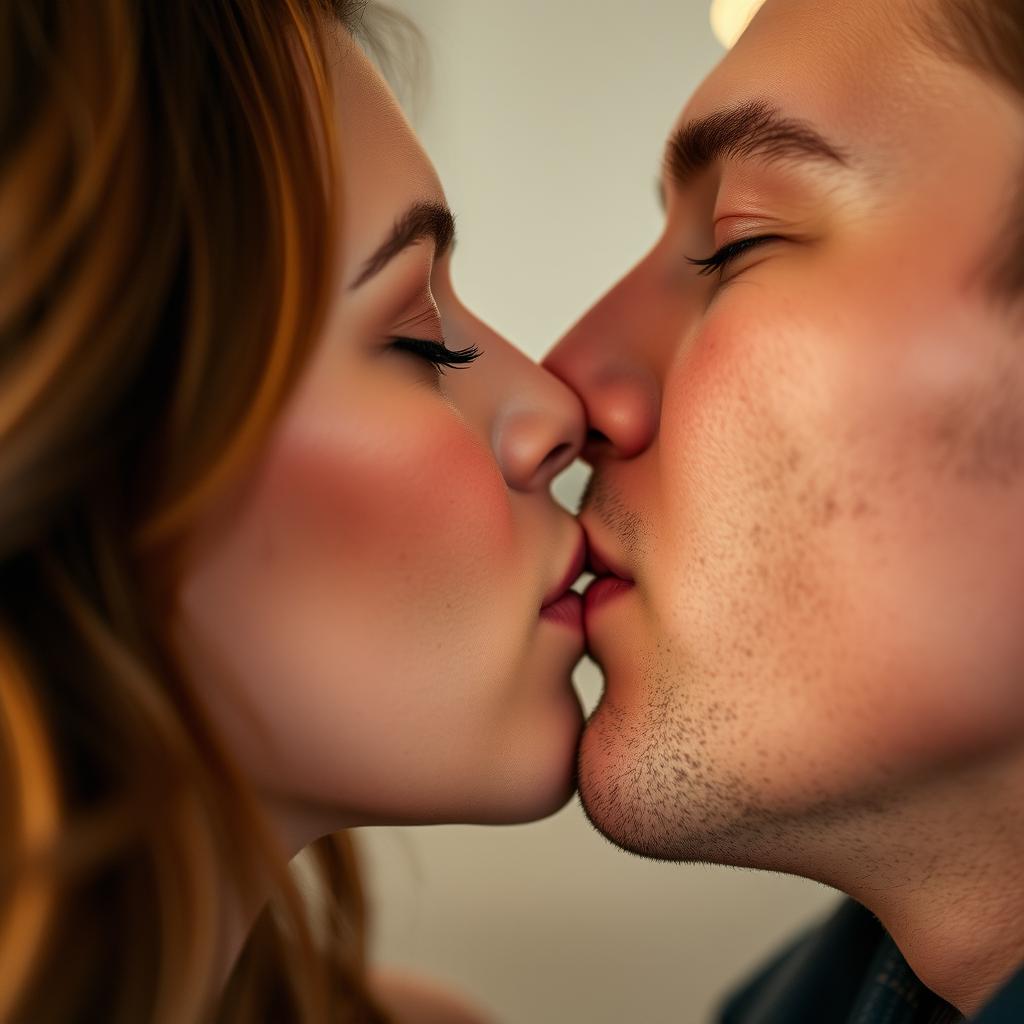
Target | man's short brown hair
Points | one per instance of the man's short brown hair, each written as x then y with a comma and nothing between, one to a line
988,36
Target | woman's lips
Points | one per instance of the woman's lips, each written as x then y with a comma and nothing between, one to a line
562,604
567,610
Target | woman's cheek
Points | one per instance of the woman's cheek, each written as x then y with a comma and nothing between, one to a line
390,504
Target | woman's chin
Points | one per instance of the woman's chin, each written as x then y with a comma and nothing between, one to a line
521,776
519,803
533,800
540,779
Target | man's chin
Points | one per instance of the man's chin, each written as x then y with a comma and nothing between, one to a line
664,808
610,781
651,803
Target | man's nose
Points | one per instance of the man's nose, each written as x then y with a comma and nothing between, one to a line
603,360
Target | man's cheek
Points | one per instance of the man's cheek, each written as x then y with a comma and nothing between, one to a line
722,502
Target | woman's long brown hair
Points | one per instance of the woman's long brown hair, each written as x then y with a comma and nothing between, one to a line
166,211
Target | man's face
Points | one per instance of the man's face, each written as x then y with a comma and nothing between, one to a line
810,461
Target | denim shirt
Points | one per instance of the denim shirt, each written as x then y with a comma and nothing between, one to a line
849,971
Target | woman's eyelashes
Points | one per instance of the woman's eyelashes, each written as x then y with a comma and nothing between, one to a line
728,253
437,353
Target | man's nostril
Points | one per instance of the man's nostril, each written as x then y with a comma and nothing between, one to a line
596,437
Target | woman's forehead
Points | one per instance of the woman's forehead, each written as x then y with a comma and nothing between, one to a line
384,169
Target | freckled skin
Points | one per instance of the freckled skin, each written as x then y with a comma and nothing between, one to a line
361,615
818,670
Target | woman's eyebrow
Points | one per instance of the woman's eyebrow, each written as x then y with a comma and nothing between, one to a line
421,220
752,129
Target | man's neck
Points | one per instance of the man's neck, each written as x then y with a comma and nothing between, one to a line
943,875
963,941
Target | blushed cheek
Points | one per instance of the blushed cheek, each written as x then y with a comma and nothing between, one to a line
385,510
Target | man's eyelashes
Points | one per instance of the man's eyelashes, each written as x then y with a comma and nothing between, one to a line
728,253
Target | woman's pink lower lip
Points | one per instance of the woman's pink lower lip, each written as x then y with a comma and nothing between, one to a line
567,610
603,590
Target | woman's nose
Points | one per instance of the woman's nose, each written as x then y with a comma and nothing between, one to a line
538,431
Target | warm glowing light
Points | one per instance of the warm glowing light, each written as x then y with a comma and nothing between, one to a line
730,17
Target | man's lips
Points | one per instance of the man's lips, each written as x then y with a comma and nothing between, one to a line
601,591
610,581
601,564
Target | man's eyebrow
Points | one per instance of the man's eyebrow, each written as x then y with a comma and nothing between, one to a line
752,129
421,220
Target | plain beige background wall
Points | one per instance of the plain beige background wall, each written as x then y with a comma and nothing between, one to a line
545,119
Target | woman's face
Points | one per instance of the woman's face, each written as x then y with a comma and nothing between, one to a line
363,617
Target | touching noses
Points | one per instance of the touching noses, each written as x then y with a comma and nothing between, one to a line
619,388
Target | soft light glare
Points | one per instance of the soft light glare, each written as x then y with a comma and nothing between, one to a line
730,17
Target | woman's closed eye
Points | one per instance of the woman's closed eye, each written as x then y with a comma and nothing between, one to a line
729,253
436,352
